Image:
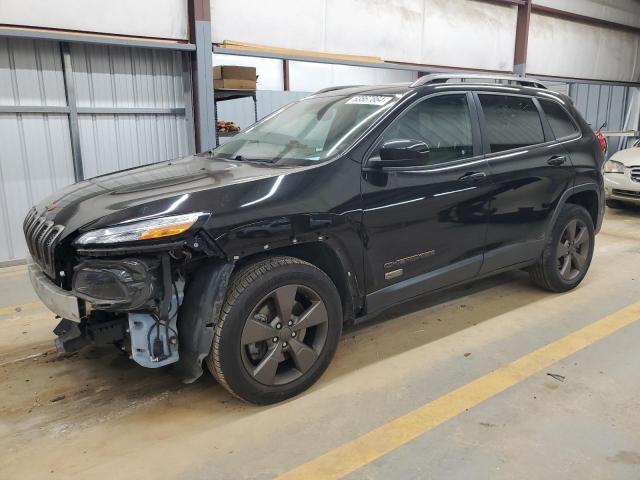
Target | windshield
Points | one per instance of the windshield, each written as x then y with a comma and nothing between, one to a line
309,130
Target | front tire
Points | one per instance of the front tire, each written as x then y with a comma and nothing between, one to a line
278,330
567,255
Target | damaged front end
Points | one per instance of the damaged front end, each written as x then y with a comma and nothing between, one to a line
156,300
156,308
131,302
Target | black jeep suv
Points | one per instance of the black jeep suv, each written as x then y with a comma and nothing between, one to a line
251,257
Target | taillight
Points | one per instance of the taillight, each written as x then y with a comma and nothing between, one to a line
602,141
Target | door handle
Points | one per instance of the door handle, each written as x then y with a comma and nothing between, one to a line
473,177
557,160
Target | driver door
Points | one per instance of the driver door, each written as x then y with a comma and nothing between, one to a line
426,225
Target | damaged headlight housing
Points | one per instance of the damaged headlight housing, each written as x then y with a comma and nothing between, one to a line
145,230
116,285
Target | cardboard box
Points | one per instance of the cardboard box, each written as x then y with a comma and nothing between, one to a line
234,77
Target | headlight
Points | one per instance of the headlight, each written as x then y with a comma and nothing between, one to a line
613,167
146,230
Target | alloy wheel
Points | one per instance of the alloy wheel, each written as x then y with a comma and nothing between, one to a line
284,335
573,249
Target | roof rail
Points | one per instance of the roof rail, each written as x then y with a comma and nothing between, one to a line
443,77
331,89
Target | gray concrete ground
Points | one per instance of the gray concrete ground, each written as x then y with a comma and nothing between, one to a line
97,415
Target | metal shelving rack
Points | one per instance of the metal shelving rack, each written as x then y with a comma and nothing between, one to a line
221,95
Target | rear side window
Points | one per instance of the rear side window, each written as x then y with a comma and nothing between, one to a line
561,123
511,122
442,122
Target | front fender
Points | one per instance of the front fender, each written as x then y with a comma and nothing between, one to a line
340,231
290,235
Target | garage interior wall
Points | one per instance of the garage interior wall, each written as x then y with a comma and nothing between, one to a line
35,158
619,11
127,78
478,34
582,51
453,33
141,18
600,104
131,111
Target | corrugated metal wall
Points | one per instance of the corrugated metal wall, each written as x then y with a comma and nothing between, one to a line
602,103
35,150
116,77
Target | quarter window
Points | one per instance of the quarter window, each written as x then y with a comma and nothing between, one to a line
511,122
560,121
442,122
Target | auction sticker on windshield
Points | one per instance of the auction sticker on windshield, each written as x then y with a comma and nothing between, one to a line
369,100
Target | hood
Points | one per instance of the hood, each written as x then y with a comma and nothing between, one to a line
173,187
629,157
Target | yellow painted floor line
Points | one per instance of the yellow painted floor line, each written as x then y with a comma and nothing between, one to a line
365,449
17,308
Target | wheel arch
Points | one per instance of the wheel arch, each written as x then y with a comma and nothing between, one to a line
589,196
332,261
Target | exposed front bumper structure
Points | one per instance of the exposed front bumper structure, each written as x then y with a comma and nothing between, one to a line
59,301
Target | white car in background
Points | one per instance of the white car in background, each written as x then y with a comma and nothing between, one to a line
622,177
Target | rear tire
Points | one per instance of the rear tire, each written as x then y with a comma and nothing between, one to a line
278,330
567,255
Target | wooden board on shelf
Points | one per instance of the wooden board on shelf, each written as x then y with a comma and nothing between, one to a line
233,44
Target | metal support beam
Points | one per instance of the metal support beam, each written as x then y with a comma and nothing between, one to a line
506,2
202,74
80,37
285,75
74,129
94,110
32,109
129,111
187,93
522,39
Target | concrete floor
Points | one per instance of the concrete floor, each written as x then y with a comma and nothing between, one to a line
97,415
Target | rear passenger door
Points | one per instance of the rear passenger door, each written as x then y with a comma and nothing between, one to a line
530,172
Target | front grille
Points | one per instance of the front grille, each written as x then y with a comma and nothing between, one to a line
635,174
626,193
42,237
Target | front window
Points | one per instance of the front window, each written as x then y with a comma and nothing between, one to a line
443,123
310,130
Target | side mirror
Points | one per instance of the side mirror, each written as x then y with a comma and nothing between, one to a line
401,153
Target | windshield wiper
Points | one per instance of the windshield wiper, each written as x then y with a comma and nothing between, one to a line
242,158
